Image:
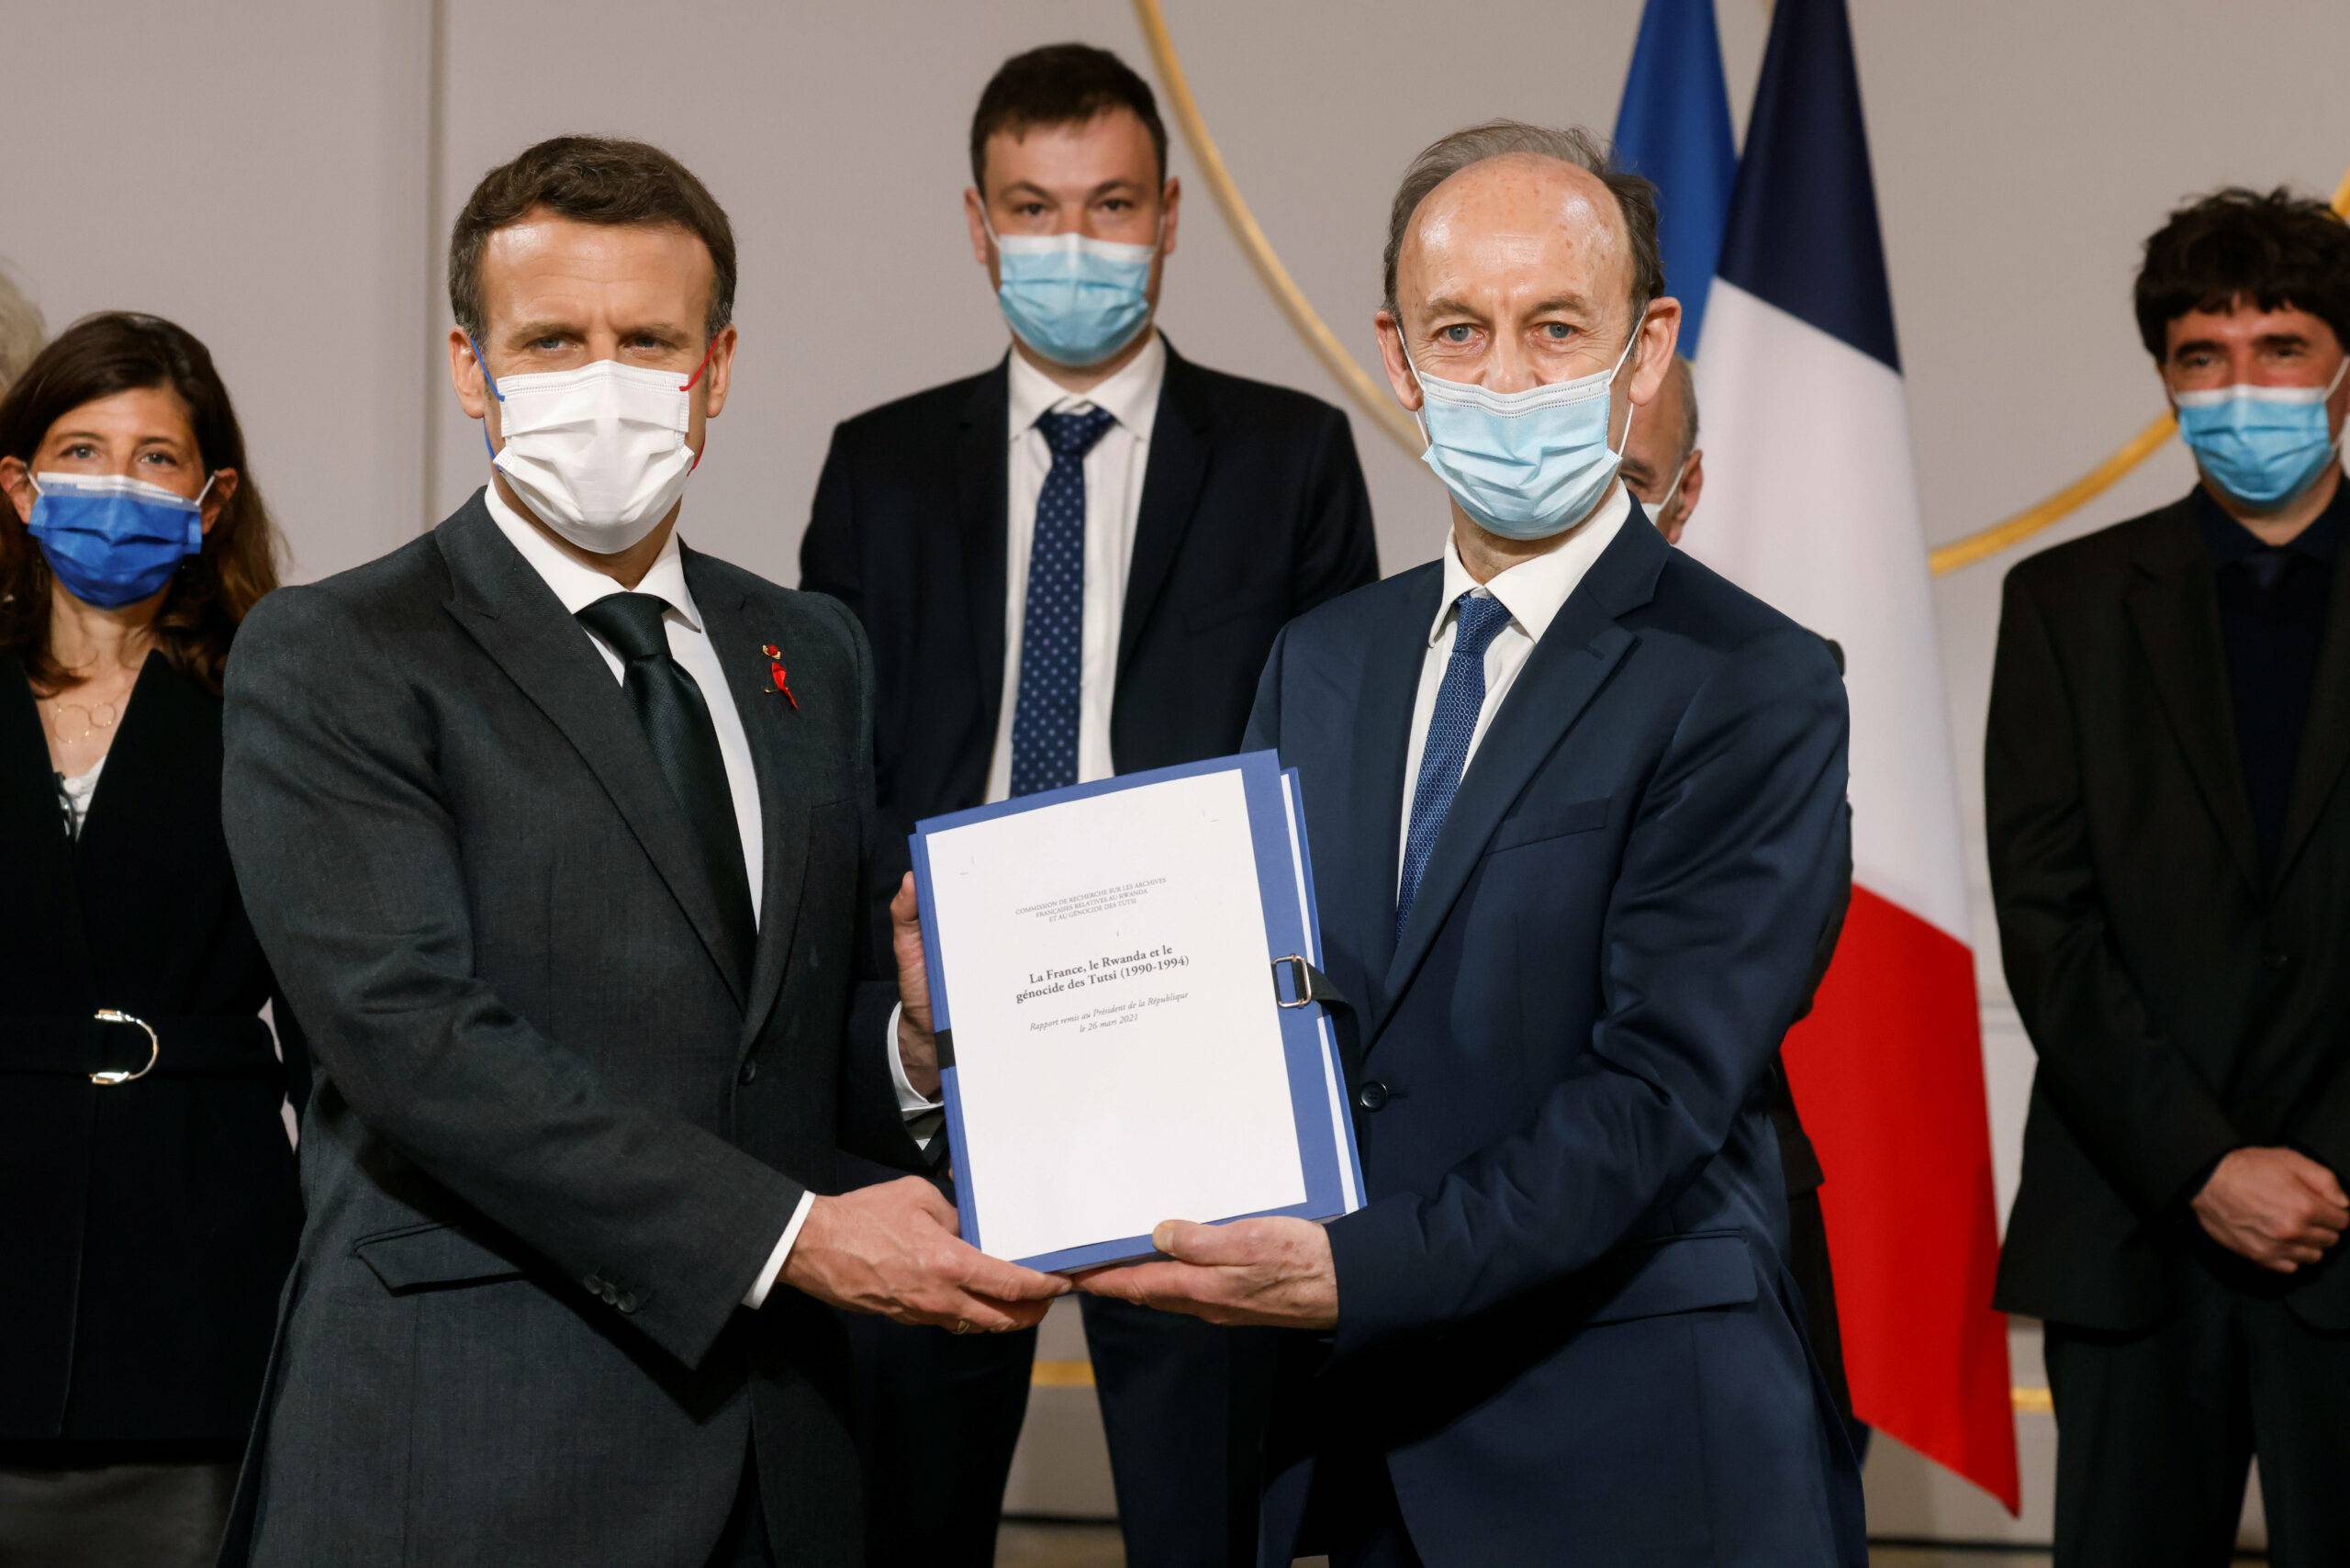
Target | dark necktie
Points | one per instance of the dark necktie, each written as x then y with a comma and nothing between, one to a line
1477,621
1052,626
2266,567
685,742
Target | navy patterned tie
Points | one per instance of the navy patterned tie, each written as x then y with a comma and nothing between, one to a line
1478,621
1052,627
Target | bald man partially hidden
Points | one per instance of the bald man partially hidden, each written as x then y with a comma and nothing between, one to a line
1577,810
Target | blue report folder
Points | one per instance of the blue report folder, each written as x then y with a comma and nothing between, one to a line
1292,988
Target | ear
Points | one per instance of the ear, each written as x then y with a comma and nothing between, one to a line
465,376
720,375
16,484
1652,361
975,220
216,501
1170,206
1400,379
1693,485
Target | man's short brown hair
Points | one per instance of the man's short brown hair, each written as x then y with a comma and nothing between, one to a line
590,179
1061,83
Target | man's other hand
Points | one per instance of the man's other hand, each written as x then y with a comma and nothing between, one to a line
2276,1206
1270,1272
917,1046
892,1249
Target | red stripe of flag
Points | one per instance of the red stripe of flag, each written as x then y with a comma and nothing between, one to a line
1888,1078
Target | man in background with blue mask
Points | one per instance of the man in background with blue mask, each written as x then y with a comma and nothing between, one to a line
1071,565
2170,858
1577,810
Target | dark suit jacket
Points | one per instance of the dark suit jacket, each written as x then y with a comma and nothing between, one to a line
554,1135
1563,1324
1253,511
1796,1157
2182,1001
147,1224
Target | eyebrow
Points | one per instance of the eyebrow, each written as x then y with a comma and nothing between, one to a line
547,328
1453,307
2266,340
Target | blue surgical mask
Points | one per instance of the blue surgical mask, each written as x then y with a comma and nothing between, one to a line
1073,299
113,540
2261,444
1523,464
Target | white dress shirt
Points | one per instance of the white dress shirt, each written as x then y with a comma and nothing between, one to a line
1533,592
1114,476
578,586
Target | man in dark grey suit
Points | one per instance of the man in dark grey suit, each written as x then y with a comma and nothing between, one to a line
555,832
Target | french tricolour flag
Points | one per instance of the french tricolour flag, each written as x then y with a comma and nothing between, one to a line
1811,503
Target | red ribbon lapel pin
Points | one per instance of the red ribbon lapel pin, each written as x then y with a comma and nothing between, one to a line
776,673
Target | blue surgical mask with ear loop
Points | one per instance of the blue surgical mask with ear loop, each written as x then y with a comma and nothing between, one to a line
2261,444
113,540
1074,299
1523,464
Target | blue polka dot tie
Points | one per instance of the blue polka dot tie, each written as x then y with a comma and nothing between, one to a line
1478,620
1052,627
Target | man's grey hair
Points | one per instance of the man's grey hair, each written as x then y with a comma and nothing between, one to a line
22,332
1686,373
1438,162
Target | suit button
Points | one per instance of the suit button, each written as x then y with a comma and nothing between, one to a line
594,1286
2274,960
750,1071
627,1302
611,1296
1371,1095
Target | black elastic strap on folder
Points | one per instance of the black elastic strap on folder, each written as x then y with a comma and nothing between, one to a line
1305,984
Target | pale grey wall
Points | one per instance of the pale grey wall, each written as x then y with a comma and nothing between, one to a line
256,172
279,177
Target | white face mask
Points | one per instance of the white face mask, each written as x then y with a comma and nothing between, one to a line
599,452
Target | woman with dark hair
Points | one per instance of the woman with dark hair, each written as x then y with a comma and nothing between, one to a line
146,1184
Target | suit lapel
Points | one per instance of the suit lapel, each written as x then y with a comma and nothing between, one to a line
1566,670
2176,616
2325,735
522,625
738,637
1378,728
1170,489
982,455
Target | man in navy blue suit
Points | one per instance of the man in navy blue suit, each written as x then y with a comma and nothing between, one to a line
1577,806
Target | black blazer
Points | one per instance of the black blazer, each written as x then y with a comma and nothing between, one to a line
2182,1002
147,1224
1253,511
555,1132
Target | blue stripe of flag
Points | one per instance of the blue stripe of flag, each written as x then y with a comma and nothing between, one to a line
1673,127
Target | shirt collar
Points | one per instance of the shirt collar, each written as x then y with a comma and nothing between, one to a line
578,586
2225,540
1131,396
1535,591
